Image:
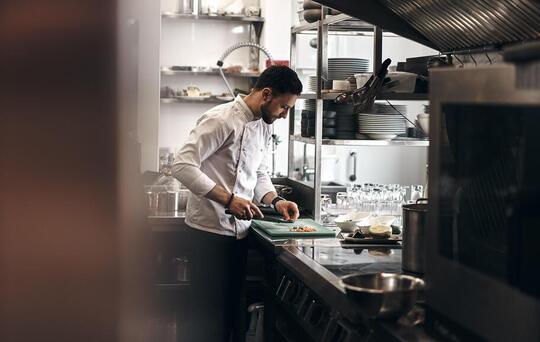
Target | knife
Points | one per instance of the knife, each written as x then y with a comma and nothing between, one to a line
266,218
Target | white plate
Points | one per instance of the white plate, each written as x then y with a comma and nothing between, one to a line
377,136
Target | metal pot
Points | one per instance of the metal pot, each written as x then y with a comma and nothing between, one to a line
382,295
414,232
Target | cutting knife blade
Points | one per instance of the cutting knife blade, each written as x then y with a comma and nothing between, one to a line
266,218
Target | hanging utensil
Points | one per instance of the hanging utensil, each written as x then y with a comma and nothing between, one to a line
363,98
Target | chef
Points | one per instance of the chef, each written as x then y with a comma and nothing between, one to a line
223,164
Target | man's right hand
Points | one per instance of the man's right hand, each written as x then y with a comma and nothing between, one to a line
244,209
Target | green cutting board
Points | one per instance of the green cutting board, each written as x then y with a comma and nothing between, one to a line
276,229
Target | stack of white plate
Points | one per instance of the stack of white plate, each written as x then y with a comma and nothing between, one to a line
380,108
381,126
343,68
312,83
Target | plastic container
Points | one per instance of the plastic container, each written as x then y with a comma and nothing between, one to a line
407,82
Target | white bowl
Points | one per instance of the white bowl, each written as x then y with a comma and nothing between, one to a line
348,223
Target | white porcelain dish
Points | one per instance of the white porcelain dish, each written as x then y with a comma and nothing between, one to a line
349,222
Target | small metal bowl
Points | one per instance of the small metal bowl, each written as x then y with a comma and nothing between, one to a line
382,295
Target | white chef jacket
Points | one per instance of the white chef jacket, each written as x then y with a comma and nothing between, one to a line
228,147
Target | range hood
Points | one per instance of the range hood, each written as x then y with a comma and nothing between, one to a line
450,25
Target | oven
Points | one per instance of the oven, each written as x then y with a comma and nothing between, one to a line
483,257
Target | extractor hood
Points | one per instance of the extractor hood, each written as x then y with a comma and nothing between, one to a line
450,25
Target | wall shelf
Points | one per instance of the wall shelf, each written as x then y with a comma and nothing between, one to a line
172,15
188,100
336,23
338,142
170,72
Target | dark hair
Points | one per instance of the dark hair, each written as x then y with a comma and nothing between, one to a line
281,79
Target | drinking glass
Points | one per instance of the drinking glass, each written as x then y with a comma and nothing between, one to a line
417,192
342,200
326,202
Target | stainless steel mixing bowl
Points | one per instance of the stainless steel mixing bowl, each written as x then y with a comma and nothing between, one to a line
382,295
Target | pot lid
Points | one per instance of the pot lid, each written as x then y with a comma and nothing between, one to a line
449,25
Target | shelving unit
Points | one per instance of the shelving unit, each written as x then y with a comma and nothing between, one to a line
347,25
190,47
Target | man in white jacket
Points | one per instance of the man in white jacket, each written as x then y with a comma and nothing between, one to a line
223,164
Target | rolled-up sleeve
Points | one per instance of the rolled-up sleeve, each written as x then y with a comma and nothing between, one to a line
264,183
205,139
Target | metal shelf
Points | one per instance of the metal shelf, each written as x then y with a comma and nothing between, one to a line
172,15
170,72
384,96
313,96
336,23
337,142
188,100
403,97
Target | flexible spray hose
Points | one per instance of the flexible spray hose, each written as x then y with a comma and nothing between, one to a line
230,50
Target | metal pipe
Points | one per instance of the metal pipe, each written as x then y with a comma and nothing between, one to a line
235,47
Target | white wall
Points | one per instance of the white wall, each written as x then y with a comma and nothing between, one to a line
277,38
147,14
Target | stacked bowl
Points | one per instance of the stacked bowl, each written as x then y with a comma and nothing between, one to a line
338,120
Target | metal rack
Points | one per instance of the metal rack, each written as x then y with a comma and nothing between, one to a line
214,72
343,24
339,142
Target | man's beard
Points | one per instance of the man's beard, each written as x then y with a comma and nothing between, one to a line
266,116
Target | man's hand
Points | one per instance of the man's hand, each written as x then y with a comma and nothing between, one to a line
288,209
244,209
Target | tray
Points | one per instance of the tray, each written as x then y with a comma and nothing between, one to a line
280,229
